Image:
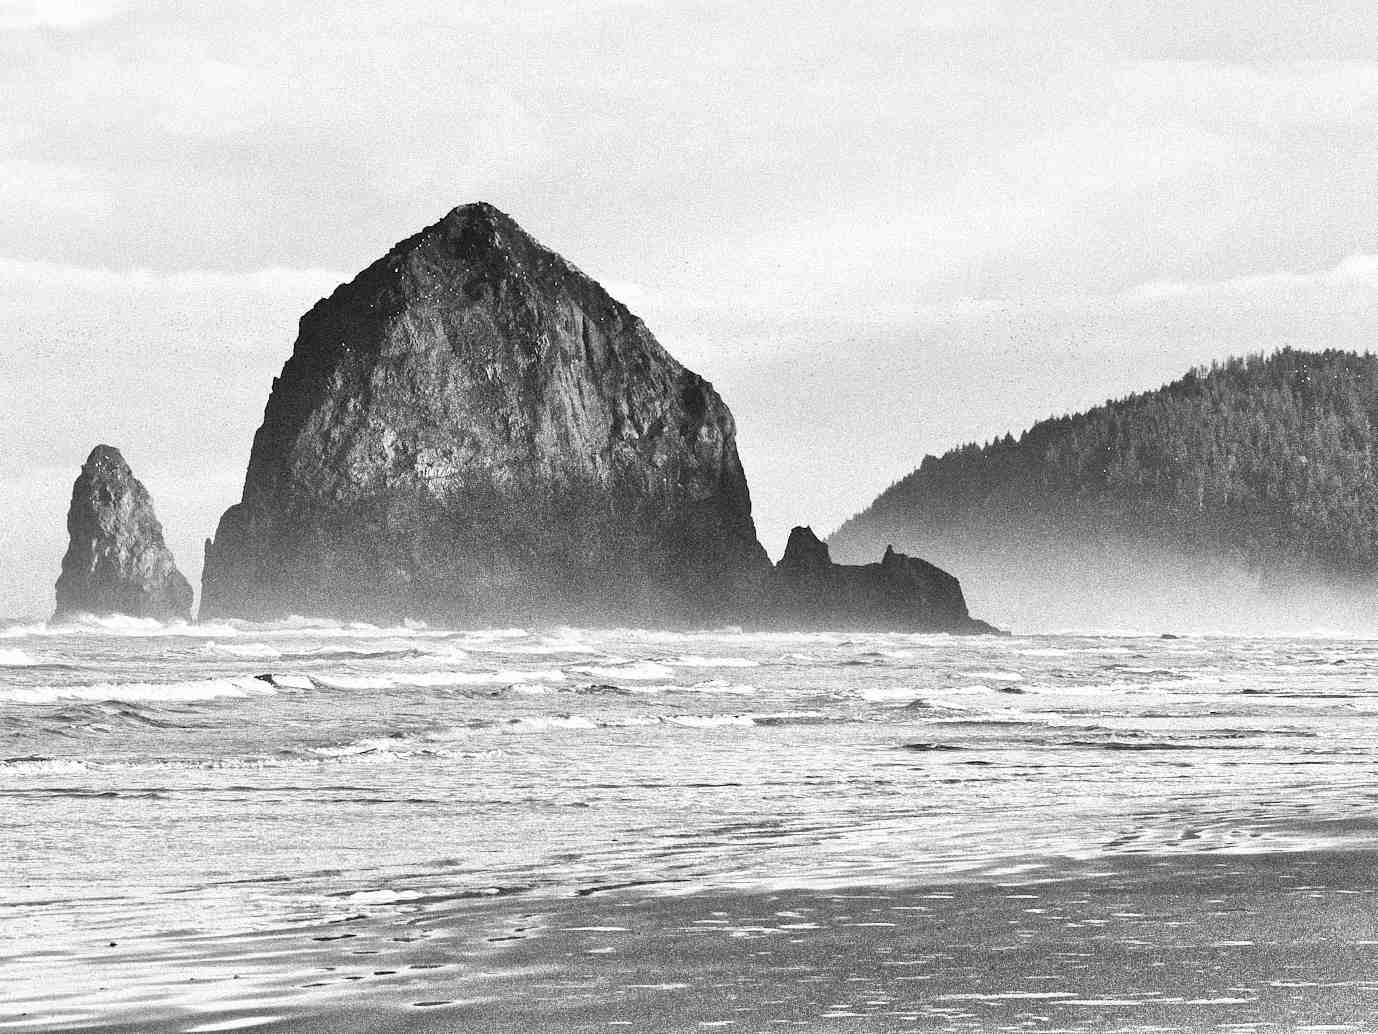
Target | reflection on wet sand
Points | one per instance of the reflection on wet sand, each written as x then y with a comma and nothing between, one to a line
1184,943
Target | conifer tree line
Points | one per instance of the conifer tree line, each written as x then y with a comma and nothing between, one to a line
1267,458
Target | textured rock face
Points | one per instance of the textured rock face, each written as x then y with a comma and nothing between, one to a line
903,593
474,430
116,561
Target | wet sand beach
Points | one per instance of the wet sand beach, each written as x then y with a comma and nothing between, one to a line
1271,942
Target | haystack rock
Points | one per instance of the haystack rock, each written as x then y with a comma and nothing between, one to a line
473,430
116,561
901,592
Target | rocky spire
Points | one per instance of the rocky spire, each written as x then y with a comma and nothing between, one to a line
116,561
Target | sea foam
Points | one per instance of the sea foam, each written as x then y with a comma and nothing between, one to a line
437,679
135,692
636,671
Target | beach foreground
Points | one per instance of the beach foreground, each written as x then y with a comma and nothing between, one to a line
314,827
1284,941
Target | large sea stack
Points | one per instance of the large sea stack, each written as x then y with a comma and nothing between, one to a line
116,560
474,430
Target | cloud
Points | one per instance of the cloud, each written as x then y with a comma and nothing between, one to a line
57,14
61,279
1240,30
1273,97
1352,283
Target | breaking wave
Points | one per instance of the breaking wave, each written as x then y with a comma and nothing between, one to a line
634,671
133,692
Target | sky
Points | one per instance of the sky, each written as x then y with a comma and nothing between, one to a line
881,229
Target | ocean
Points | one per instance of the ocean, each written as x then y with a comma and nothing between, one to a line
279,827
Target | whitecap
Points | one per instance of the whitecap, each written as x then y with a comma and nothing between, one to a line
356,682
707,721
42,765
554,721
529,689
15,659
381,897
432,653
121,625
288,681
253,651
23,631
387,746
637,671
720,686
566,642
696,661
884,694
134,692
438,679
492,634
325,628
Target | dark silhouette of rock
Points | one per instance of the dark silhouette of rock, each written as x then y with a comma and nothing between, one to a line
900,593
116,561
473,430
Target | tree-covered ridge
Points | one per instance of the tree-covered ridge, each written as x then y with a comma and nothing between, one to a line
1269,458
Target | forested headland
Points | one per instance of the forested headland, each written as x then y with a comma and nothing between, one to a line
1263,463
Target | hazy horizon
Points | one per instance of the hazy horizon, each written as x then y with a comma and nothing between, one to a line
880,232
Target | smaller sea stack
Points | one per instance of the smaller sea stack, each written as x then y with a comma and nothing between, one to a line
901,593
116,561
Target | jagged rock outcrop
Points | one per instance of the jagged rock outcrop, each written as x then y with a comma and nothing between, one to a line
473,430
900,593
116,560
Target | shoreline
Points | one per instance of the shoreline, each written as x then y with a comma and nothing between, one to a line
1131,942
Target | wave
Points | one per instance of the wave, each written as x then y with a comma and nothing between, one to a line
251,651
541,723
696,661
122,625
635,671
268,652
438,679
400,746
367,653
16,659
288,681
38,764
118,625
328,628
562,642
133,692
720,686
